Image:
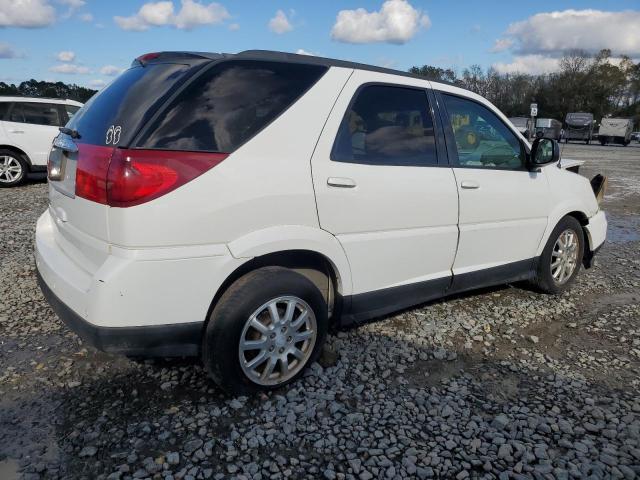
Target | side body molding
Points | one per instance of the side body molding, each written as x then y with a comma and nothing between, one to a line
296,237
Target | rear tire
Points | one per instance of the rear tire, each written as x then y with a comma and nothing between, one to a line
559,264
13,169
242,330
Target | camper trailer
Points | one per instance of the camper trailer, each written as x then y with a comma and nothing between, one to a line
578,126
615,130
522,124
550,128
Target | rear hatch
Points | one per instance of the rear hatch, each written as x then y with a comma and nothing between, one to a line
80,158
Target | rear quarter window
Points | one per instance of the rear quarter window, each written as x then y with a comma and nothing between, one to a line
229,104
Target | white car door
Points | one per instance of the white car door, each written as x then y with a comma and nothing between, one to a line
381,190
32,126
503,206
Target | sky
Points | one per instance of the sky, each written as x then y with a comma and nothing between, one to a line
89,42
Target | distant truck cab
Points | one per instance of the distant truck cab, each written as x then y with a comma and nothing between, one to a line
615,130
550,128
579,126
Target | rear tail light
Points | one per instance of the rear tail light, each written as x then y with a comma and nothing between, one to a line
91,172
133,177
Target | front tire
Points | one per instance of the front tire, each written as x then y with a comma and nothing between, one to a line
265,329
13,169
559,264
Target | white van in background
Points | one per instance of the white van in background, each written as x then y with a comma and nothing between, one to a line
615,130
27,129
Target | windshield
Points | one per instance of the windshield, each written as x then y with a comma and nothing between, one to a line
579,118
114,115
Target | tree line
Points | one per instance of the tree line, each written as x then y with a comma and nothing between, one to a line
34,88
584,83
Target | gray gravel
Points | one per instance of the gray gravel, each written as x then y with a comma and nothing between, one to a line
503,383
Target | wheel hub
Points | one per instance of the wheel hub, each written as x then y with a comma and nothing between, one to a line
277,340
564,257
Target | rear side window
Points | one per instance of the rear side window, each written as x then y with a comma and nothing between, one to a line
4,108
127,103
71,110
229,104
387,125
35,113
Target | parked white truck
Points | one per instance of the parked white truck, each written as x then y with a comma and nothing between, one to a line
615,130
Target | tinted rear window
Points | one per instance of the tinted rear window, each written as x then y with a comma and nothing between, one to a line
229,104
126,103
35,113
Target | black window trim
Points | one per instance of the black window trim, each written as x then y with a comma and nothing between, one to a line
206,67
452,149
440,158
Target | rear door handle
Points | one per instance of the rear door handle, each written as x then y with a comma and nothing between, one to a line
340,182
16,131
470,185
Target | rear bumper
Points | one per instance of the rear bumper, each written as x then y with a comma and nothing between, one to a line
151,341
139,302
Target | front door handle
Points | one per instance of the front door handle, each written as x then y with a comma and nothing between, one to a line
341,182
470,185
16,131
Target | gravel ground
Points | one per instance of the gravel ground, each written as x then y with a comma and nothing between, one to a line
502,383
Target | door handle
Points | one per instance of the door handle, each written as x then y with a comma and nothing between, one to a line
470,185
340,182
16,131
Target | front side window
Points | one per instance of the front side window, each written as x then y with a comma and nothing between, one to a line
35,113
387,125
481,138
229,104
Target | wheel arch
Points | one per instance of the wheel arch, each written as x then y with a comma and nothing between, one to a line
556,217
17,151
315,266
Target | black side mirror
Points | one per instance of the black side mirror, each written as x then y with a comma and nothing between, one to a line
543,152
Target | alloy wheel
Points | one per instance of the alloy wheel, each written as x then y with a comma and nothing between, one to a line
277,340
564,257
10,169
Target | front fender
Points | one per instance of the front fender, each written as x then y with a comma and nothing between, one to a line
295,237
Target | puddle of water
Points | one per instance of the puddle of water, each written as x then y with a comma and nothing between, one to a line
9,469
624,230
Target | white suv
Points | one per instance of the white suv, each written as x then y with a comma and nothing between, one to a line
235,207
27,129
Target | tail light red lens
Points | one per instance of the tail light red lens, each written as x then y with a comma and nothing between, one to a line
132,177
91,172
137,176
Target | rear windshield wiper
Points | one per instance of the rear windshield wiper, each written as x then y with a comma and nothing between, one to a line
69,131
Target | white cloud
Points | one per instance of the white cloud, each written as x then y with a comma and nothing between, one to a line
73,3
97,83
529,64
192,14
86,17
302,51
66,56
234,27
70,69
7,51
556,33
111,70
280,23
501,45
26,13
396,22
